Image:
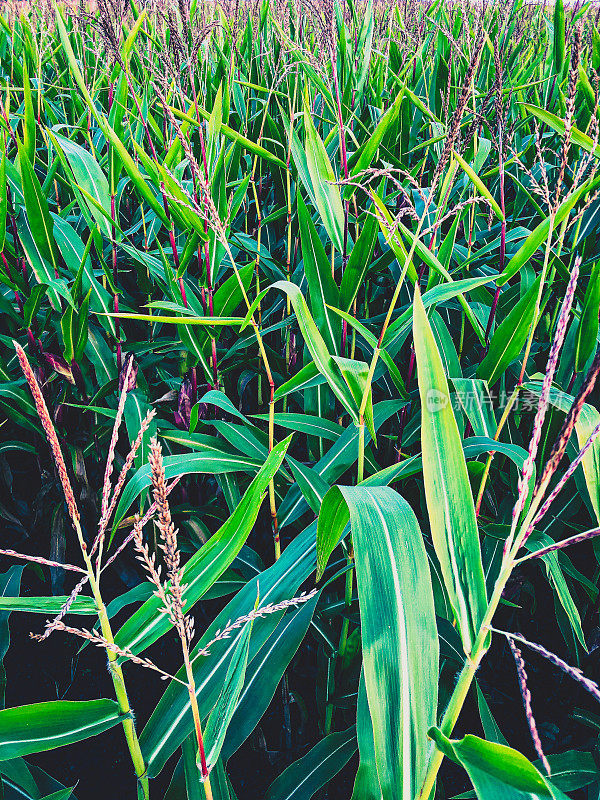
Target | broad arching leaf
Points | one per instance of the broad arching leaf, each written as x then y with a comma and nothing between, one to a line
399,635
447,490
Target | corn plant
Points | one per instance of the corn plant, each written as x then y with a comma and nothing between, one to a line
300,327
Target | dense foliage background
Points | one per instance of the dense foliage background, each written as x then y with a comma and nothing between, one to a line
250,200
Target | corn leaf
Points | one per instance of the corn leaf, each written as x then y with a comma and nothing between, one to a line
447,489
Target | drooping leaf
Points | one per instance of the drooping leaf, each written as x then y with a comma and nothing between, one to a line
44,726
496,771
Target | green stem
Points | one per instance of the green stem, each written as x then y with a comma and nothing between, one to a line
131,737
361,450
480,648
118,680
348,602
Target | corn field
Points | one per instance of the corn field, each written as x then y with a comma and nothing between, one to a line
299,423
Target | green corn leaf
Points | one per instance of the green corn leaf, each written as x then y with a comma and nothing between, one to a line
38,215
223,711
302,779
206,322
47,605
557,124
356,377
89,177
133,35
429,258
399,636
101,358
369,337
171,721
341,456
333,518
10,585
189,464
572,770
558,47
128,162
488,723
3,200
317,347
479,184
366,784
29,123
253,306
595,48
558,581
586,339
61,794
74,254
587,422
44,726
401,327
41,268
136,408
312,485
539,235
586,89
17,774
358,263
447,489
326,193
390,229
208,564
306,377
496,771
244,438
364,47
220,400
366,153
322,289
264,673
306,423
476,401
233,135
189,781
